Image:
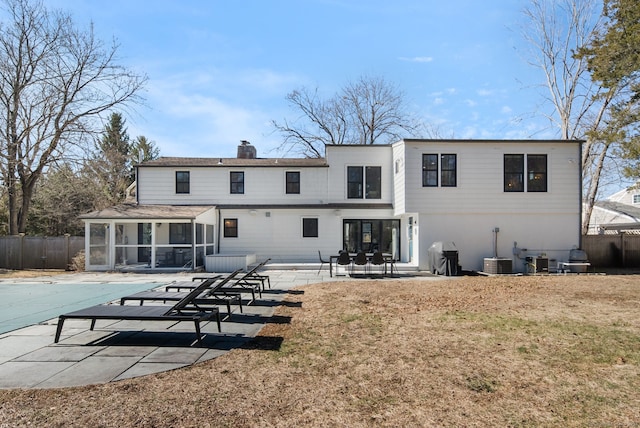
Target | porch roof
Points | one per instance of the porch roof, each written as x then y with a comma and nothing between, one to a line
148,212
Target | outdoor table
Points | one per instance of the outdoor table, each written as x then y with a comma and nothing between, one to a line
388,258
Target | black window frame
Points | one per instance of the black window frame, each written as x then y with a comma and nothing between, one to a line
230,228
513,168
236,182
448,170
373,182
292,182
429,170
537,172
310,227
183,186
355,182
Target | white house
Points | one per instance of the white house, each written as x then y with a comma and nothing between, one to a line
493,198
618,212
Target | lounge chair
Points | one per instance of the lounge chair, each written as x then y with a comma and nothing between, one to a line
210,296
185,309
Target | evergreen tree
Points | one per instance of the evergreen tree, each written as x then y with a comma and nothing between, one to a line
111,163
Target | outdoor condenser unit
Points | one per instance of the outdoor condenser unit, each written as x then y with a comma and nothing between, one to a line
497,265
538,264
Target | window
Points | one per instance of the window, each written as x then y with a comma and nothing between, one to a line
292,182
357,187
230,227
309,227
373,175
514,173
354,182
429,170
448,171
537,173
182,181
636,199
237,182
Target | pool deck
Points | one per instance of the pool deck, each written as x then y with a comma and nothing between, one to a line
118,350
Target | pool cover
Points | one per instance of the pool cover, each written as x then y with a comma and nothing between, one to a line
23,304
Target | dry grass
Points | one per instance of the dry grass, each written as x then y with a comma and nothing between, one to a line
473,351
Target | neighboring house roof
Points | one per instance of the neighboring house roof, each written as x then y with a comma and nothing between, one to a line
624,209
236,162
133,211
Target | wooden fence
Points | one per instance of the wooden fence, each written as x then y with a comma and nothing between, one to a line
613,251
37,252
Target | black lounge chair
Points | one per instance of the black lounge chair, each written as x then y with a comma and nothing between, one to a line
185,309
210,296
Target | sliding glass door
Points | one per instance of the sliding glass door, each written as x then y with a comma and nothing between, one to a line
372,235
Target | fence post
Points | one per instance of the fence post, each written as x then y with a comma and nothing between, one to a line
21,252
623,248
67,251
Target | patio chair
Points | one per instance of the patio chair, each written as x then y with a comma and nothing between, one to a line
360,260
211,296
377,259
322,262
344,259
185,309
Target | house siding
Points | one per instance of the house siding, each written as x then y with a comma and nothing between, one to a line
473,214
467,214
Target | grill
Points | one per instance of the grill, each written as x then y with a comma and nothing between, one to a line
578,261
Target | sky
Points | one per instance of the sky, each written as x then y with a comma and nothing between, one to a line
219,70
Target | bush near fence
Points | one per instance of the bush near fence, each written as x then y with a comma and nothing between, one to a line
37,252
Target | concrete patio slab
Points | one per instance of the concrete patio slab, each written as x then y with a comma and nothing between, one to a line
90,371
29,374
118,350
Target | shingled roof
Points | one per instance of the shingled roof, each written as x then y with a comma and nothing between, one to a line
235,162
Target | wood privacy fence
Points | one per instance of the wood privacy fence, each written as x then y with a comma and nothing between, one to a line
620,250
37,252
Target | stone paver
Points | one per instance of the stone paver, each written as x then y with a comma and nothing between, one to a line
117,350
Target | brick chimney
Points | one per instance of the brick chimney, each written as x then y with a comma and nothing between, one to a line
246,150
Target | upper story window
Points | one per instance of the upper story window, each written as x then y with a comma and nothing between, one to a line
636,199
443,167
514,173
237,182
536,173
292,179
364,182
182,182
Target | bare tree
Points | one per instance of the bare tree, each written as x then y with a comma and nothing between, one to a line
55,79
367,111
557,30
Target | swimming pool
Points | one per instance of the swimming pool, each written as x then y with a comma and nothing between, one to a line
23,304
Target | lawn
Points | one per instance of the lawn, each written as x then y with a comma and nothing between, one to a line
469,351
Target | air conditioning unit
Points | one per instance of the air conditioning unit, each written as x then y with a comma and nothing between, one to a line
496,266
537,264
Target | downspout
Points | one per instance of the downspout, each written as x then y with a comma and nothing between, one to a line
580,187
219,226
